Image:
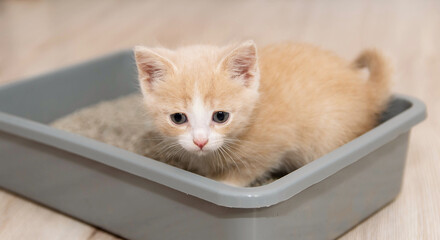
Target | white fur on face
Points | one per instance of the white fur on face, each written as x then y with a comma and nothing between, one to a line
200,127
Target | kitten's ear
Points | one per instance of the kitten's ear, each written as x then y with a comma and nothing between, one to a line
151,66
241,64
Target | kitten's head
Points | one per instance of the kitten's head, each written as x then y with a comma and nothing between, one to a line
201,96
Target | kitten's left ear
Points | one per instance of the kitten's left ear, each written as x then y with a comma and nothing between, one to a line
241,64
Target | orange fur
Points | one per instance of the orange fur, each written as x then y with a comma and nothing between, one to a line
296,103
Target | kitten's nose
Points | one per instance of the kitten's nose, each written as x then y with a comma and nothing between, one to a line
200,142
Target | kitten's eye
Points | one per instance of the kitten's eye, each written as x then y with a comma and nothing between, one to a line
178,118
220,117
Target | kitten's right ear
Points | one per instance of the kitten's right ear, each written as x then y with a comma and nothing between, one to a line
152,67
241,64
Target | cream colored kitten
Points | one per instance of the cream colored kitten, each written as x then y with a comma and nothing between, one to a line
233,115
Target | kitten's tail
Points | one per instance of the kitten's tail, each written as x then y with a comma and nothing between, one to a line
379,82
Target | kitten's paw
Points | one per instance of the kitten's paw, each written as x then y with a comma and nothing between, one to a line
236,179
231,183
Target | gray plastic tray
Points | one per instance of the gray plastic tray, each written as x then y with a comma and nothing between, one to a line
140,198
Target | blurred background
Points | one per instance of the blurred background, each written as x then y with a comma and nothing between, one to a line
37,36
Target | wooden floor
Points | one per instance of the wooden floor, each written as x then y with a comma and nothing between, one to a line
39,36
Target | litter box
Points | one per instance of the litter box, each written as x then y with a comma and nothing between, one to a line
139,198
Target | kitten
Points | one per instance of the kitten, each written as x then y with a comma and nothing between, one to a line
233,115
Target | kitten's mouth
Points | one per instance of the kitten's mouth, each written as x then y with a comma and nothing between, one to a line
201,152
